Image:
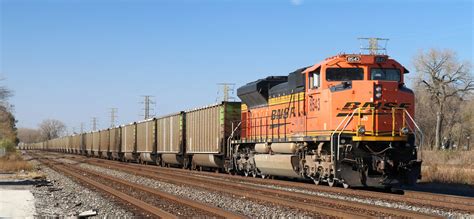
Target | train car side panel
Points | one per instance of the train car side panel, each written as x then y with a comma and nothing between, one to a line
146,140
170,139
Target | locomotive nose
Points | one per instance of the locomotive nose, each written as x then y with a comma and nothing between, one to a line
385,90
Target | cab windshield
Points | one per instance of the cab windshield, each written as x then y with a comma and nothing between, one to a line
344,74
385,74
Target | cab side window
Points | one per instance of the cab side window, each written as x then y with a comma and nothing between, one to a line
315,79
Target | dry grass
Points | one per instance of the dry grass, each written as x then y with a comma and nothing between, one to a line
13,162
456,167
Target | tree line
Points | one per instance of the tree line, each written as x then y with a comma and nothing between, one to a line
48,129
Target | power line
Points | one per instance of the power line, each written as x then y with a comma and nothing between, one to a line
224,91
373,47
94,123
146,103
113,116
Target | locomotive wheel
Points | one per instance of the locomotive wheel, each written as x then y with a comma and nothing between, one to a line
317,181
345,185
246,173
263,176
254,174
331,182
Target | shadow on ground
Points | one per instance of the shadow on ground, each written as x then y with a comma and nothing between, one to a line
442,188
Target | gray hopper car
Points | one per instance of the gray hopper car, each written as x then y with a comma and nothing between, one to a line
145,137
129,142
115,143
89,142
104,143
170,140
95,143
207,131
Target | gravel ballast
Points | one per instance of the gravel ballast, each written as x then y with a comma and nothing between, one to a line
63,197
244,206
376,202
239,205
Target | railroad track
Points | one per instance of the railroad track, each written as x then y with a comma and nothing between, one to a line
422,199
417,199
318,205
154,202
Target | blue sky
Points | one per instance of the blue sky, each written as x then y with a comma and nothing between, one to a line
72,60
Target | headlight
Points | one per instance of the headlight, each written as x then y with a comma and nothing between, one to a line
378,91
404,131
361,130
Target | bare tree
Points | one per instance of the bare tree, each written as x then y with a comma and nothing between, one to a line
51,128
445,78
5,93
7,119
27,135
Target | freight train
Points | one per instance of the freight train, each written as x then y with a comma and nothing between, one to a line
348,120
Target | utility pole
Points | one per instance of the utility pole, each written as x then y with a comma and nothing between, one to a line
94,123
113,116
146,102
224,90
373,46
82,127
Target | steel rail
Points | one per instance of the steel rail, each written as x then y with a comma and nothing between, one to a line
449,202
253,191
154,211
181,200
178,199
331,212
418,198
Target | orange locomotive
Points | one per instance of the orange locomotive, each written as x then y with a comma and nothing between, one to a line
348,120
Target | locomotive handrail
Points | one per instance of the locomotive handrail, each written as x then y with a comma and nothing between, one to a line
334,132
232,136
344,128
414,132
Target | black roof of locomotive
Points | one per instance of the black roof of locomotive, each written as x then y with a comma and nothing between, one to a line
256,93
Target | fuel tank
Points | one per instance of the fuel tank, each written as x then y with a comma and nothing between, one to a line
277,165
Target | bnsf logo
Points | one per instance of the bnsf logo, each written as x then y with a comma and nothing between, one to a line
283,113
386,106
